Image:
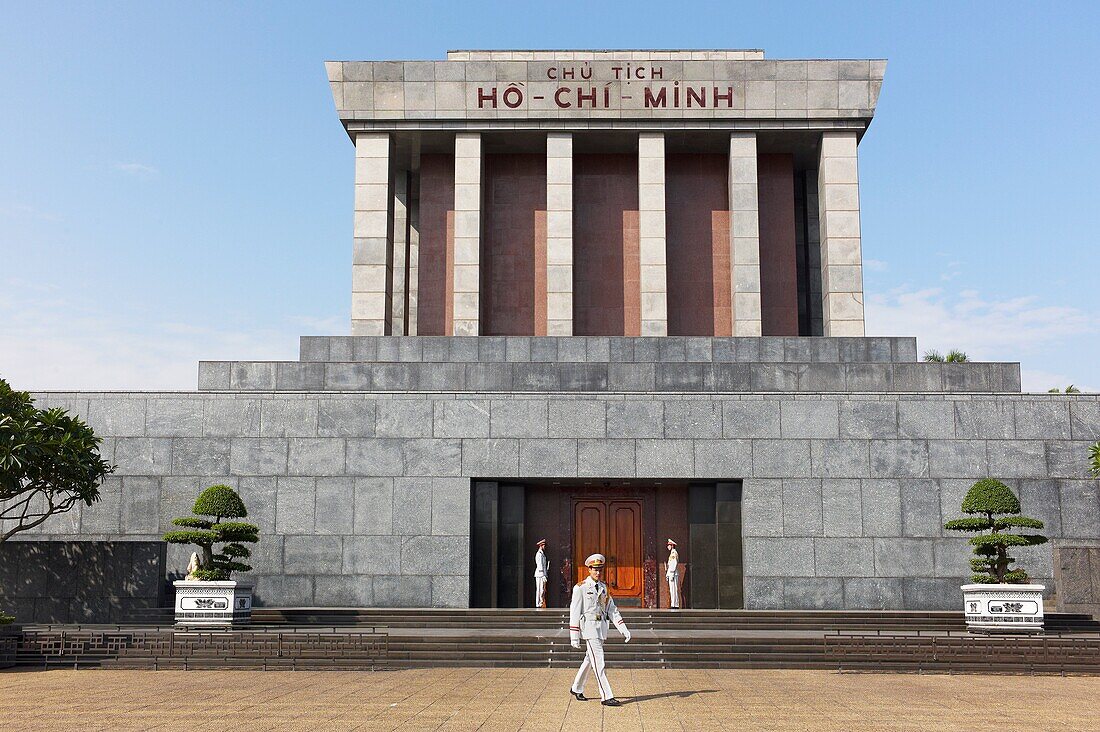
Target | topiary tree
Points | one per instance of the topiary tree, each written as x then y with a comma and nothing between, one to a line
217,502
987,499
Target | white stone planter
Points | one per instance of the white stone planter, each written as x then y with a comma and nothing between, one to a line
1003,607
213,603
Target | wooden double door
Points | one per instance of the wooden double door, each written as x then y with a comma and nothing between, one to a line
612,527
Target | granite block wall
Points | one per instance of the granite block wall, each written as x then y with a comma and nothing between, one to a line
363,497
83,581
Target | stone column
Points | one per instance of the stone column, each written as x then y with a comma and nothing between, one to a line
372,260
651,233
559,234
744,234
400,242
414,265
467,238
841,259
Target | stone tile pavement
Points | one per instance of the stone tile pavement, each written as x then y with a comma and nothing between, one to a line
536,699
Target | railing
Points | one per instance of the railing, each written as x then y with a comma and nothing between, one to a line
188,647
961,651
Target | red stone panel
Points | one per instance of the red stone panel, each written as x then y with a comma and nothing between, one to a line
606,258
697,244
778,264
514,245
434,284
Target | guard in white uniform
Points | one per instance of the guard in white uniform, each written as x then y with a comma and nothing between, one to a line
542,568
673,575
589,612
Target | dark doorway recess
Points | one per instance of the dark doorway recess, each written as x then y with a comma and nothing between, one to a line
628,521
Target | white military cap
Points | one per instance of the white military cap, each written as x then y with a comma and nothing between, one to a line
540,542
595,560
670,541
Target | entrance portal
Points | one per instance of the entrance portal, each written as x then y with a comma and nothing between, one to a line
614,529
627,521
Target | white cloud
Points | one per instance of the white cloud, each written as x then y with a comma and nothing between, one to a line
1038,380
875,265
139,170
50,342
986,329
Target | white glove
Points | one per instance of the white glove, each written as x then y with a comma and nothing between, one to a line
576,643
626,637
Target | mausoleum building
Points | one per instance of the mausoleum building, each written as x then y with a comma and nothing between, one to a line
604,298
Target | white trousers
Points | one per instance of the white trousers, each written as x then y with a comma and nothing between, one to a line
593,661
674,591
540,592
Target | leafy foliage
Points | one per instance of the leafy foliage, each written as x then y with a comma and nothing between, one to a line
49,462
5,619
991,500
990,496
1071,389
1094,459
953,356
217,502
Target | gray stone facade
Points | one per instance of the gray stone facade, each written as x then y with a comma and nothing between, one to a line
363,496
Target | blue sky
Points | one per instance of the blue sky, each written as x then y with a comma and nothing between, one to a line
175,185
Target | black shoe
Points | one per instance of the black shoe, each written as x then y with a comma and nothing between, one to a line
612,702
578,695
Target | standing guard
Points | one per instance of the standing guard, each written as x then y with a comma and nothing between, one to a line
673,575
542,569
589,612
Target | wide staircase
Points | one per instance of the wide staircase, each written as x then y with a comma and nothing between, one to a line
312,638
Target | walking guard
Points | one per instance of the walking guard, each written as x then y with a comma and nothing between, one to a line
589,612
672,574
542,570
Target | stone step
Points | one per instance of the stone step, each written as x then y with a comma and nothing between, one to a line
574,377
606,349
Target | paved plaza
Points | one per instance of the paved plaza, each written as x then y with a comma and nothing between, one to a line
537,699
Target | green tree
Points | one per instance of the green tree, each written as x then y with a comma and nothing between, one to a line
1094,459
49,462
994,508
207,528
1071,389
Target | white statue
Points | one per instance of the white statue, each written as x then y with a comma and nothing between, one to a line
193,566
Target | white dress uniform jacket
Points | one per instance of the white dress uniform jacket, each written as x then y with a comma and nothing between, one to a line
590,611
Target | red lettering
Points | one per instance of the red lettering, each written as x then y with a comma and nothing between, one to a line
482,97
568,74
656,72
564,104
616,69
513,97
639,73
552,73
675,96
728,97
582,97
660,100
700,96
586,71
